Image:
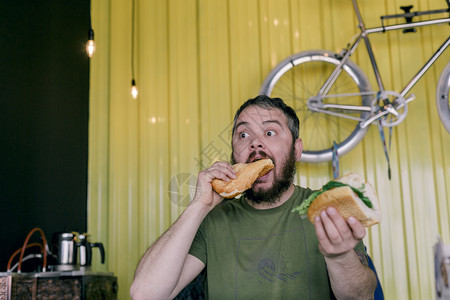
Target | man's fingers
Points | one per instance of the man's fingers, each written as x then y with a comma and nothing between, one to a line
339,222
220,170
336,235
320,231
358,230
331,230
341,228
325,243
223,167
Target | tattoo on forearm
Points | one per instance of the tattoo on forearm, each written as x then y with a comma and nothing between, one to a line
362,257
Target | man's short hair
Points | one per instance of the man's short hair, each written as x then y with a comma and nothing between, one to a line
268,103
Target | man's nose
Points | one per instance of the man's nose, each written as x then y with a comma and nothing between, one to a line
256,143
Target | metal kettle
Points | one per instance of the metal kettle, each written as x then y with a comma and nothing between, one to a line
65,248
64,253
85,250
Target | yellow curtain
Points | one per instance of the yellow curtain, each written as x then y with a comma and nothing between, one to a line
196,61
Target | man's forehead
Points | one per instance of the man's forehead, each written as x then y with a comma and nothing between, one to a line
260,114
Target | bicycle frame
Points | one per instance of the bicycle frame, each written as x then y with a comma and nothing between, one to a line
364,35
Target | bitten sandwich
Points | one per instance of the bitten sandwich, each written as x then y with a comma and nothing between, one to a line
350,195
246,175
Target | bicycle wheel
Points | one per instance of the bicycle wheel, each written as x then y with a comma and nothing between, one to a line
298,78
442,97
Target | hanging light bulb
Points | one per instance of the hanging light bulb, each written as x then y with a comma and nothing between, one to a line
134,90
90,45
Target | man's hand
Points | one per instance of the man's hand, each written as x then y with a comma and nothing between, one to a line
349,278
204,192
337,236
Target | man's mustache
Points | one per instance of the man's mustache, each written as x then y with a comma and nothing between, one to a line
260,154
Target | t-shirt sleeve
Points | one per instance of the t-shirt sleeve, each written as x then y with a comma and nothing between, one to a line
198,247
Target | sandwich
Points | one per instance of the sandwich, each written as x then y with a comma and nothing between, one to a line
350,195
246,175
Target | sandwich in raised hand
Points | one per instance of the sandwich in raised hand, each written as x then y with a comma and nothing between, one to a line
350,195
246,175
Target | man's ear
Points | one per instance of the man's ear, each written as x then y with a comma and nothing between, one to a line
298,149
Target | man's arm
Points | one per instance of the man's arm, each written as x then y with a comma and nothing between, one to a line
166,267
350,279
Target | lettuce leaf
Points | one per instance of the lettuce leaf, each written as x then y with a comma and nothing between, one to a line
302,209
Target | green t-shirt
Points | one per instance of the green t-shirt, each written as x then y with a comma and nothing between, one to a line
261,254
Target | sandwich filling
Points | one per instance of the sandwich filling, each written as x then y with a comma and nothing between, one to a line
302,209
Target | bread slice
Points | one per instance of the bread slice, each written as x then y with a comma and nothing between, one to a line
246,175
347,202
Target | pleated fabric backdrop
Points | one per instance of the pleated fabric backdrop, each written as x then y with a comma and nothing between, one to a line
196,61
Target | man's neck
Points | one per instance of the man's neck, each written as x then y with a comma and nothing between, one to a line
268,205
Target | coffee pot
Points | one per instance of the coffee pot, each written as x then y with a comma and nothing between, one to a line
65,251
85,248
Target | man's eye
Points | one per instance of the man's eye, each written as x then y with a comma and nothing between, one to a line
270,133
243,135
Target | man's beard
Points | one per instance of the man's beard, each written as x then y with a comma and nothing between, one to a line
280,185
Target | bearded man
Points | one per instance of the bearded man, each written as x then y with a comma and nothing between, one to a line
254,247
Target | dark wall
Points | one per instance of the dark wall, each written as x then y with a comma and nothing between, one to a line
44,102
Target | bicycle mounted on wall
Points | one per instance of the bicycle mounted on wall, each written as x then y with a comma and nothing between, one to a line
333,97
